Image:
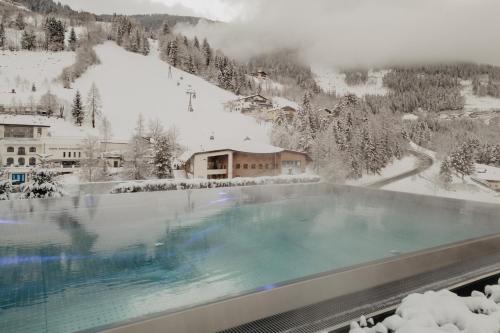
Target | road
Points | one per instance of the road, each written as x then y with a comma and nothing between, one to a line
424,163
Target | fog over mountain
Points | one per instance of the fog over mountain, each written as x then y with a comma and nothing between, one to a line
351,33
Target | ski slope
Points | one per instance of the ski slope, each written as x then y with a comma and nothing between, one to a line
131,84
331,80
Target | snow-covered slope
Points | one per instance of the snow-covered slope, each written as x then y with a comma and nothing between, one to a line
19,70
131,84
333,81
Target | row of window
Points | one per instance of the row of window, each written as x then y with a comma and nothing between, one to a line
254,166
286,164
69,154
21,150
21,161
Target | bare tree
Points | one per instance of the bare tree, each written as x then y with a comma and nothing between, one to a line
90,161
94,104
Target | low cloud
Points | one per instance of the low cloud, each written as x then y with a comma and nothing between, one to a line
367,33
128,7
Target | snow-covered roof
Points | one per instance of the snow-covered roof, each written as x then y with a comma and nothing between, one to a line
245,146
486,172
252,96
23,120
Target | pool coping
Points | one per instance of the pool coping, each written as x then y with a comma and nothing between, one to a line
232,312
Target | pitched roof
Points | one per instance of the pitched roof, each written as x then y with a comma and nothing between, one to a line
245,146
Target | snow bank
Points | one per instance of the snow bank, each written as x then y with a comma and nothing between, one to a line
441,311
183,184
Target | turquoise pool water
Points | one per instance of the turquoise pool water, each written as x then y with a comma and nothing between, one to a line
88,262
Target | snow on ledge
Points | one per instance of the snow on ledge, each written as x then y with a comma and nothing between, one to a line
442,311
183,184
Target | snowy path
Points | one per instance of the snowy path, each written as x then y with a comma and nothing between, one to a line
424,163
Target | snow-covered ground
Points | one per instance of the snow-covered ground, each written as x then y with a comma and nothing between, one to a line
333,81
476,103
20,70
133,84
441,312
395,168
427,183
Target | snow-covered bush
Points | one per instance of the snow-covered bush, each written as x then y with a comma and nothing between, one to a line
184,184
5,190
42,185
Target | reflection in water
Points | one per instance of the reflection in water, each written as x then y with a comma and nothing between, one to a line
91,261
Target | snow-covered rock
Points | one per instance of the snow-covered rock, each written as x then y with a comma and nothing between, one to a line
441,311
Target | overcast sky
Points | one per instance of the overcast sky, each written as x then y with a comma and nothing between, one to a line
338,32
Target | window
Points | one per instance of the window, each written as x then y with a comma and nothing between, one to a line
267,166
18,131
80,154
64,154
245,166
261,166
10,161
10,149
32,150
238,166
115,164
21,151
21,161
39,131
32,161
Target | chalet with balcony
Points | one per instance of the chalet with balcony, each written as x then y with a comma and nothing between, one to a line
245,159
249,104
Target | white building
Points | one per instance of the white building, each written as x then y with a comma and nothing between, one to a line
24,141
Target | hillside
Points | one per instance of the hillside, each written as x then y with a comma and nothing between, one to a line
131,84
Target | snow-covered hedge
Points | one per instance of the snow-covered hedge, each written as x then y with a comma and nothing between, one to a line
183,184
442,311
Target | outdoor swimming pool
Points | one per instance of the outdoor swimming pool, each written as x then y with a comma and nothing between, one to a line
92,261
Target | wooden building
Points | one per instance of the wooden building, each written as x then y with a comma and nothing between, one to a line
248,159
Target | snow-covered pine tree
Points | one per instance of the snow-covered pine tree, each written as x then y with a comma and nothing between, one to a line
42,185
207,52
54,34
165,29
77,110
191,68
173,56
72,40
462,161
28,41
145,48
94,104
162,156
196,43
20,25
2,35
445,174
